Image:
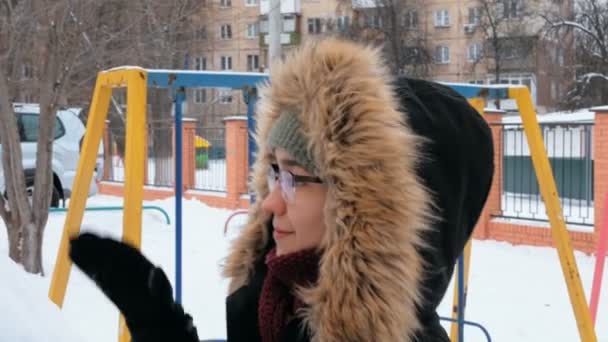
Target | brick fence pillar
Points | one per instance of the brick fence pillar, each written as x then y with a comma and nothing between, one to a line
600,165
236,158
492,207
107,152
188,153
147,153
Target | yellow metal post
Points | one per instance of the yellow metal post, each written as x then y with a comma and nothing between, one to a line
134,167
84,176
478,104
135,81
456,304
549,192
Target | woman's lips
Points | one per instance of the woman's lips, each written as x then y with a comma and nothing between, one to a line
279,233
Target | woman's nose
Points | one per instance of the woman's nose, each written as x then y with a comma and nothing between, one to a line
274,202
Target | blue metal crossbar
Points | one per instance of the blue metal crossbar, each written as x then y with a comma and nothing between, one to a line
470,91
203,79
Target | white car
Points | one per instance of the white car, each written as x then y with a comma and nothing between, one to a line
69,131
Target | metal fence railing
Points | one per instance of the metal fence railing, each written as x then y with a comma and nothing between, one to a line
116,147
160,154
569,148
210,159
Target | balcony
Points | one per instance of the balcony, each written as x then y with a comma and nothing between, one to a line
290,38
287,6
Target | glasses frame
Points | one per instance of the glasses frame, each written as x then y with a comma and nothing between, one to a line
287,178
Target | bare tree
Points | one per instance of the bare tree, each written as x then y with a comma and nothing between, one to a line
59,46
35,31
509,39
589,24
394,25
162,37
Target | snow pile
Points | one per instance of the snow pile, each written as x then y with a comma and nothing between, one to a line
517,293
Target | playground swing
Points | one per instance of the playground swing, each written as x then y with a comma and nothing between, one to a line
137,80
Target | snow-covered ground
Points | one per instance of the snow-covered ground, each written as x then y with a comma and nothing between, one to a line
517,293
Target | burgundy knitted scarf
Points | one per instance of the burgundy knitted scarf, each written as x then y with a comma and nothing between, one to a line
278,303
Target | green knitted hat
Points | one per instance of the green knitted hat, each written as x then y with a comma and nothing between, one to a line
287,134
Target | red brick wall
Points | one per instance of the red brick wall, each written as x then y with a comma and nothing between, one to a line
188,153
236,159
492,207
488,227
520,234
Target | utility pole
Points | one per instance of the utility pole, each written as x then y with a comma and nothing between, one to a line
274,31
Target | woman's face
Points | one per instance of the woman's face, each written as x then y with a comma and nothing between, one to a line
297,216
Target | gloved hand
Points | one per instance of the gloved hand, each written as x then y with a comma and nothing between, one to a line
140,290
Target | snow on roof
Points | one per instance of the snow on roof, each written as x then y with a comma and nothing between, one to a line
580,115
599,109
365,4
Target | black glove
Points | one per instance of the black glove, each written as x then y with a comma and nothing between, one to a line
140,290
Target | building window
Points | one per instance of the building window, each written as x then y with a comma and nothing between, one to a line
314,25
201,33
374,21
342,23
474,52
28,98
555,91
474,17
289,23
252,31
226,62
225,3
225,95
253,62
264,25
226,31
410,20
200,63
559,56
26,71
413,55
508,52
442,18
251,2
442,54
515,79
509,9
199,95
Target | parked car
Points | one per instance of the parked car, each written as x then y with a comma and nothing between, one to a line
68,134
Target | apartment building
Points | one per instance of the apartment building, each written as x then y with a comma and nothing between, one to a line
462,46
228,32
233,35
454,36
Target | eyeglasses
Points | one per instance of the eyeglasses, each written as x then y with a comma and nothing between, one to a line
287,181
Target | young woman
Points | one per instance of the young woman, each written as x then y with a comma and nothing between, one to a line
367,190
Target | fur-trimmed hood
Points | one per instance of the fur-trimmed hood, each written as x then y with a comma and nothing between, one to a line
370,270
